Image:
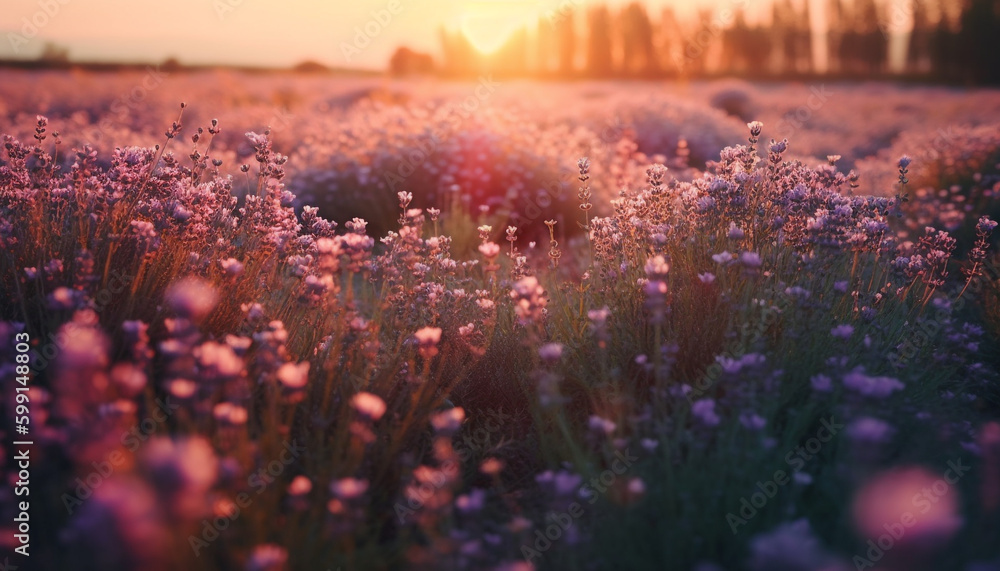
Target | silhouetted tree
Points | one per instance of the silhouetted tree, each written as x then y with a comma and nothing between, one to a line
638,52
408,62
872,44
54,55
803,39
697,42
460,58
745,49
836,23
944,49
979,51
599,46
667,42
918,49
953,40
784,26
565,26
545,46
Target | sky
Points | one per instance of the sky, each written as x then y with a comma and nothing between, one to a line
340,33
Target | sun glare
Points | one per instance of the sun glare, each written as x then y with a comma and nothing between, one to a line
488,25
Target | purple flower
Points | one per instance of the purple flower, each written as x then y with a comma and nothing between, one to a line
985,225
735,232
704,411
752,421
878,387
821,383
550,352
869,429
842,331
598,424
723,257
750,260
471,502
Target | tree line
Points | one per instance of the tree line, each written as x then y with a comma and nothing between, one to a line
943,40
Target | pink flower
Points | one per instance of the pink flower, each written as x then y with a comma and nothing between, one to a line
551,352
368,405
293,376
657,267
722,258
924,504
268,557
427,340
879,387
193,298
428,335
601,425
348,488
449,421
704,411
489,250
842,331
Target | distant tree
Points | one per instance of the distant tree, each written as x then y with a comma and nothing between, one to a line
734,43
639,53
872,44
980,25
545,46
944,48
565,29
918,56
745,49
783,24
405,61
310,66
803,39
836,24
696,43
600,62
667,45
171,64
460,58
54,55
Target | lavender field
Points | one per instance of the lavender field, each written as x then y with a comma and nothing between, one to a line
285,321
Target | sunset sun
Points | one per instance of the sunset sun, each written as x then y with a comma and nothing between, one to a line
488,25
